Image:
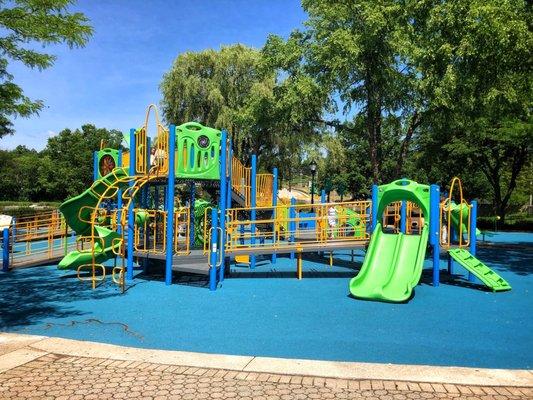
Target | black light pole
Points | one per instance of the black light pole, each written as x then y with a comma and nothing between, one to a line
312,166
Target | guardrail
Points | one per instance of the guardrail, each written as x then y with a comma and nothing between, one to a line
288,226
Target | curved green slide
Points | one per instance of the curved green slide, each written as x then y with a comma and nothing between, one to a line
72,210
393,262
455,215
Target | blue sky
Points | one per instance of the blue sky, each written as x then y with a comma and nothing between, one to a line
111,81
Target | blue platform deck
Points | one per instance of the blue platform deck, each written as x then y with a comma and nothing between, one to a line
270,313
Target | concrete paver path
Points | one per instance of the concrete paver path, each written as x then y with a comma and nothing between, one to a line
35,367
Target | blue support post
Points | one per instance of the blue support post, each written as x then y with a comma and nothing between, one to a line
213,255
253,204
274,204
171,192
374,215
131,219
434,230
473,237
119,196
192,199
145,189
403,214
292,222
5,249
223,199
95,165
322,201
230,172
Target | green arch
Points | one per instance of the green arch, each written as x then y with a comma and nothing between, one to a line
404,189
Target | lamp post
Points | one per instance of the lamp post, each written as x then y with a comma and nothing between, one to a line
312,167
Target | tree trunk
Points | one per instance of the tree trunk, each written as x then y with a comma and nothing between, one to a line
413,124
373,123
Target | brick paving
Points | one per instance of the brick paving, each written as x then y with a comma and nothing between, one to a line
63,377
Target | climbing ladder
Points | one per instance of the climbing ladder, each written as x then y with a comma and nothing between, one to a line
480,270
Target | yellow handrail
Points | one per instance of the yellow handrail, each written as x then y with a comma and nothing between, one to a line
240,180
446,209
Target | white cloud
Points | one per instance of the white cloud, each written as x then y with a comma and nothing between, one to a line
51,134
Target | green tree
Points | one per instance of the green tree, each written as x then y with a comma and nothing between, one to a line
223,89
474,60
69,169
237,89
24,23
352,52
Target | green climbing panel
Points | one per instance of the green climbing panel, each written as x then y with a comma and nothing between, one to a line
197,152
480,270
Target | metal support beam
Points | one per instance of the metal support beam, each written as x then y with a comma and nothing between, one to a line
223,199
253,198
274,210
131,219
434,230
171,192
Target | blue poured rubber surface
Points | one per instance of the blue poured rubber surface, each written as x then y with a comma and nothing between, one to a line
268,312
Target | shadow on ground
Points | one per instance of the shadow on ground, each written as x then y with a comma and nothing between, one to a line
33,294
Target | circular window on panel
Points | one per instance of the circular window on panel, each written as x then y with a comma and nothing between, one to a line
203,141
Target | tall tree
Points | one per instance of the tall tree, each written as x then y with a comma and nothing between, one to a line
69,171
237,89
24,23
351,48
223,89
474,62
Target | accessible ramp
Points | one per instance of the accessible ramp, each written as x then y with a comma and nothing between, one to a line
77,212
392,266
480,270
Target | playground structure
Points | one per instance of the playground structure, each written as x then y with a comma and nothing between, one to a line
142,206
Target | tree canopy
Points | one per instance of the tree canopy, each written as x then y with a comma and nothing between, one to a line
371,90
25,24
63,169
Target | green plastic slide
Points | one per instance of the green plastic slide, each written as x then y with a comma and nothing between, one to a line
393,262
82,206
455,215
76,258
392,266
480,270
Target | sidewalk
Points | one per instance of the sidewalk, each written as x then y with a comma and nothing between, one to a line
40,367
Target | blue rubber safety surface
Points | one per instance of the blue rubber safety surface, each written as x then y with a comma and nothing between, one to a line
268,312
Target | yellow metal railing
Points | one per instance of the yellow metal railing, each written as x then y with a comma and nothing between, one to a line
182,226
241,180
462,209
206,230
264,189
414,219
150,235
241,183
39,237
284,227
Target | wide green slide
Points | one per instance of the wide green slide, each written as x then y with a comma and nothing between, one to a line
78,210
392,266
393,262
480,270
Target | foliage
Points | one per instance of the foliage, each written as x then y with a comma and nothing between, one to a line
425,89
236,89
24,24
63,169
